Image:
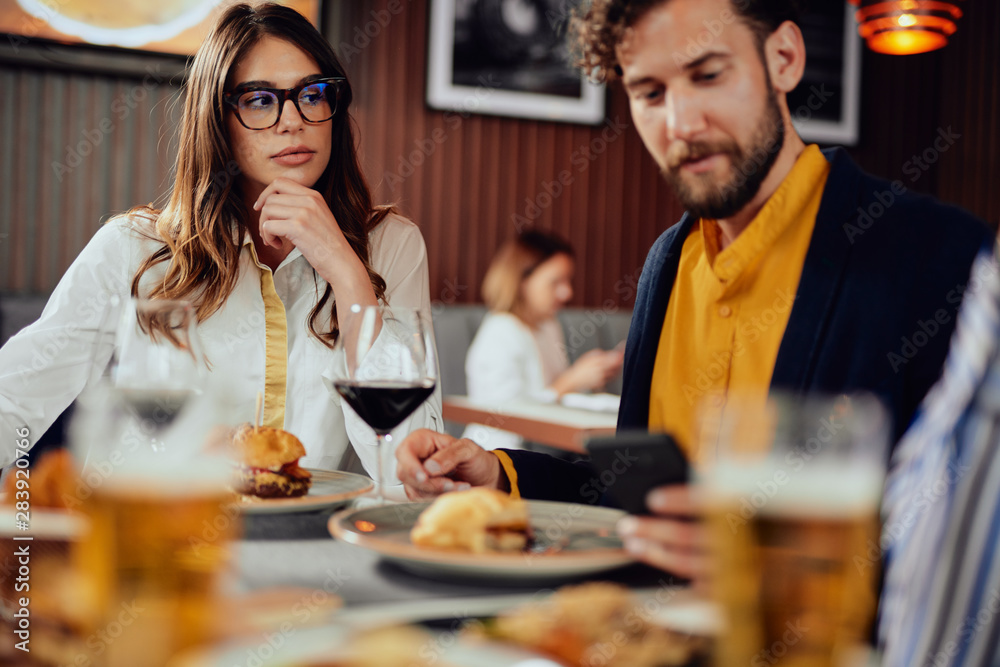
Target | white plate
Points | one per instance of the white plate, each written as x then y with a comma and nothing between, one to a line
330,488
570,540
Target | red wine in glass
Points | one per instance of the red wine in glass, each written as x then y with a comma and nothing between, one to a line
384,369
383,405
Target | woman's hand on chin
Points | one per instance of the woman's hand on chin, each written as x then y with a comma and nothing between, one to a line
300,215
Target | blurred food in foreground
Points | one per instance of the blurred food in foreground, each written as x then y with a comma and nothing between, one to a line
37,571
594,624
479,520
51,483
394,646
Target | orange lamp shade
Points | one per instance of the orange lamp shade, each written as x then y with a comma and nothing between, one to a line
903,27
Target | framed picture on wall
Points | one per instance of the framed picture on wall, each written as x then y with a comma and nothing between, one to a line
507,58
825,104
163,26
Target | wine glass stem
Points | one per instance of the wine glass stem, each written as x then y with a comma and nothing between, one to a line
384,445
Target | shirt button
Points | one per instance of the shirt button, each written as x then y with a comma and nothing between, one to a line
725,311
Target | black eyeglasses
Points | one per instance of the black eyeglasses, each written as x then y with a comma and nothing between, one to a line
260,108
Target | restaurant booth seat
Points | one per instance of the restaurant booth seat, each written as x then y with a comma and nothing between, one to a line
18,311
585,329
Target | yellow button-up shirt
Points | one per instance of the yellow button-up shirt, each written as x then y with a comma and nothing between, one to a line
728,308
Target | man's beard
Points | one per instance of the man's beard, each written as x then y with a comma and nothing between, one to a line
751,165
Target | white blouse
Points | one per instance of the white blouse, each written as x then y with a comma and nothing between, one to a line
49,363
509,360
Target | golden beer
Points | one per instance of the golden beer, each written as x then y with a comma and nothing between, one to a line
792,571
150,567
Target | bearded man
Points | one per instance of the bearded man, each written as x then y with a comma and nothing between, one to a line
791,270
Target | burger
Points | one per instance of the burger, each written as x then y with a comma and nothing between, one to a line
479,520
269,463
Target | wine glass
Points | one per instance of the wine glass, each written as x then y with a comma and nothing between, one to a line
385,370
158,364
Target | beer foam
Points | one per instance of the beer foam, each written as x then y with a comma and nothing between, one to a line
833,490
209,475
189,486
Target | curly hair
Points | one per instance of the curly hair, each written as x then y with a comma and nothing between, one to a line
599,26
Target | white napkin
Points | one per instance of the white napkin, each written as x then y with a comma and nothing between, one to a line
593,402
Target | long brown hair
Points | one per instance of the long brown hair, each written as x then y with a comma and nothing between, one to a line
201,244
514,263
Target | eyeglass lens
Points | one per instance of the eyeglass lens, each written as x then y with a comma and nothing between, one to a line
259,109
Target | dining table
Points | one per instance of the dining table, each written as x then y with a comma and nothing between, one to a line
290,580
295,552
553,424
291,584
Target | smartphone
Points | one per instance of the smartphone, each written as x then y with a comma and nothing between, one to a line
630,465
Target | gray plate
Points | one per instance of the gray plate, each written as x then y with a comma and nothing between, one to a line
330,489
570,541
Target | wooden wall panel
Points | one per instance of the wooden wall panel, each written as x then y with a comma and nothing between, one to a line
969,172
900,115
76,149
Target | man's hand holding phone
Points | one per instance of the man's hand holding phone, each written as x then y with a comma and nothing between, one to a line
672,538
648,476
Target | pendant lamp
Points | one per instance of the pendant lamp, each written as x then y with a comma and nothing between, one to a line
903,27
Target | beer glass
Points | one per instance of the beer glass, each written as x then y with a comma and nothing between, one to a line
150,564
792,490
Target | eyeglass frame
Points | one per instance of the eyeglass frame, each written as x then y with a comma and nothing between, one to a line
283,95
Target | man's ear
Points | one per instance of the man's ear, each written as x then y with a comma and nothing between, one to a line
785,54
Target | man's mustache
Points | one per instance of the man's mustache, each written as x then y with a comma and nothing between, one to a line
680,152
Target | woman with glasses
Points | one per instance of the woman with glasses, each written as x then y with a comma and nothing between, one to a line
270,231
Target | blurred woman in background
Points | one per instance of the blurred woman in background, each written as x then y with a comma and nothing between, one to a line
519,351
269,230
